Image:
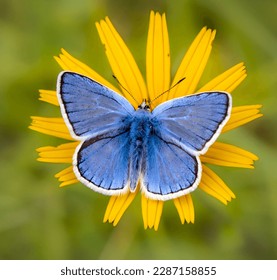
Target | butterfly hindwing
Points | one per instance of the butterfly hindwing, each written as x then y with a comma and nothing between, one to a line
168,171
89,108
193,122
102,164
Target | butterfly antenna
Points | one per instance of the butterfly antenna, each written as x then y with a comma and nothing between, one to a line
125,89
181,80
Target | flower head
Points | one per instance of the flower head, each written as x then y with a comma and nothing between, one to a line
158,80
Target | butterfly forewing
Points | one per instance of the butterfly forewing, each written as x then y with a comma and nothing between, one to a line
89,108
193,122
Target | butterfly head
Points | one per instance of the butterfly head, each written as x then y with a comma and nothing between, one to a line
144,105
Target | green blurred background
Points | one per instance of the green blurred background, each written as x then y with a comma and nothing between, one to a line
38,220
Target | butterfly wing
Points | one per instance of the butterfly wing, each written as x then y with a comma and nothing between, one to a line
193,122
89,108
102,164
168,171
100,119
183,128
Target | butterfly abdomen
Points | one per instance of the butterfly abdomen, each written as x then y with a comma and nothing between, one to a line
139,133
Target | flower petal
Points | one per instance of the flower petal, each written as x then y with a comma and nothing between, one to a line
117,206
184,206
122,62
68,62
61,154
241,115
228,80
51,126
193,64
67,177
151,212
214,186
157,58
229,155
49,96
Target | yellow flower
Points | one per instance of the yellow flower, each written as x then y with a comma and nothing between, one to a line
158,80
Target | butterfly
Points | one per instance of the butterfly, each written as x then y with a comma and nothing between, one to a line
121,146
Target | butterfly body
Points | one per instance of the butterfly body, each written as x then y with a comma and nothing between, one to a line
121,147
140,130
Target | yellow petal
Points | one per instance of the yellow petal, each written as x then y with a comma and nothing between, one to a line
229,155
68,62
122,62
61,154
157,58
193,64
117,206
51,126
49,96
241,115
151,212
214,186
185,208
67,177
228,80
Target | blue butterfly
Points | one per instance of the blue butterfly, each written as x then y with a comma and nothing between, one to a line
121,146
